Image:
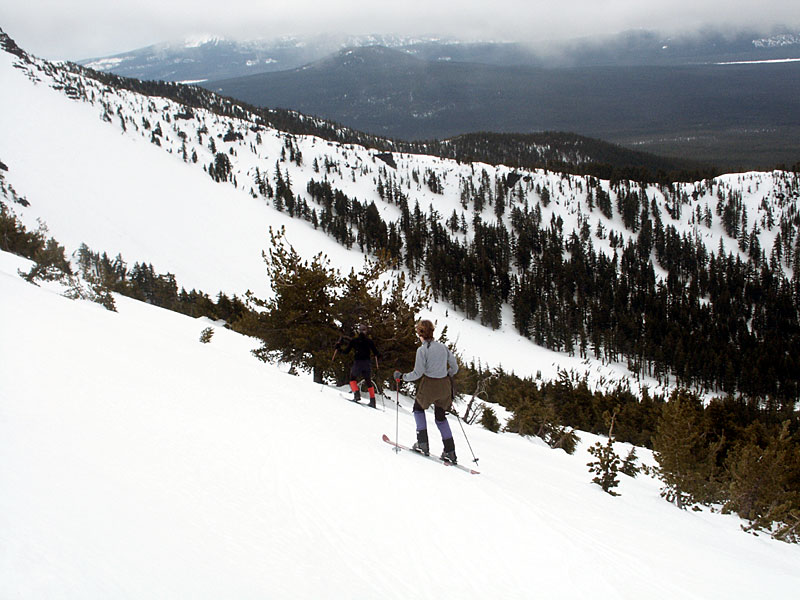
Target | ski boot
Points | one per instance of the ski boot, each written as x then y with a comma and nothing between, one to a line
449,454
421,445
356,396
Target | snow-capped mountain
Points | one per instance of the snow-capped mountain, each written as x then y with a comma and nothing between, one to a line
208,57
778,41
202,57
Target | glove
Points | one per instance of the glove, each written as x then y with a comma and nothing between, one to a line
398,375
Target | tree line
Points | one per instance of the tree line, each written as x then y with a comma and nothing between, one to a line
710,320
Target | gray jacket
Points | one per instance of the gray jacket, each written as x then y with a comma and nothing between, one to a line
433,360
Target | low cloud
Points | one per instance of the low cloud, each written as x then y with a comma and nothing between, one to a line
86,28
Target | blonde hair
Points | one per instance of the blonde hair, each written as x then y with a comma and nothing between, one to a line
425,330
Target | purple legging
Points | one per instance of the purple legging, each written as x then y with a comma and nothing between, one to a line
439,416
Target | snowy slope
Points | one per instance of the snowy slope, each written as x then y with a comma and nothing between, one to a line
121,194
92,174
138,462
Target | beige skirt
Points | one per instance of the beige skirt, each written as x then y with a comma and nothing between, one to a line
434,391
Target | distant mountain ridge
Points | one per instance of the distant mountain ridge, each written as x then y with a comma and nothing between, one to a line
553,150
213,57
209,57
681,96
733,116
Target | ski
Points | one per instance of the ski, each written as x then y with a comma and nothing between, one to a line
350,398
431,457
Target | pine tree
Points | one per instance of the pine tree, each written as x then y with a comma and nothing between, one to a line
685,461
607,464
396,319
51,263
14,236
489,419
206,335
314,306
537,416
297,326
763,480
101,276
629,466
545,196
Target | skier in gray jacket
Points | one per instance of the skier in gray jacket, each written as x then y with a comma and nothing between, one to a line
434,366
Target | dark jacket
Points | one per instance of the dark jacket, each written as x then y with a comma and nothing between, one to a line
361,347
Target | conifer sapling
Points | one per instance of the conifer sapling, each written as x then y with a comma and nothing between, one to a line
607,464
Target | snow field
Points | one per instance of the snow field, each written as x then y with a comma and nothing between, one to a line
138,462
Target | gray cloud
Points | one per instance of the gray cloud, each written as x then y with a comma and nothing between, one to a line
84,28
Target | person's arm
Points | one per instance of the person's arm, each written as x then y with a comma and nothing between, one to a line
452,363
375,352
419,366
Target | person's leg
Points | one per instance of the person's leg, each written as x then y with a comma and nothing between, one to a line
422,430
354,382
440,416
370,387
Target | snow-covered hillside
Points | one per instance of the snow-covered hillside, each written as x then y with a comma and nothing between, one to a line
138,462
126,173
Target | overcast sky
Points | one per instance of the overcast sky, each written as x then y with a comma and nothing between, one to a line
75,29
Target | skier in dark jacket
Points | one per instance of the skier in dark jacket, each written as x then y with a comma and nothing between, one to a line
362,347
434,367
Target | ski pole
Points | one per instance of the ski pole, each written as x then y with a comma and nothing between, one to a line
397,417
322,385
379,392
474,459
383,398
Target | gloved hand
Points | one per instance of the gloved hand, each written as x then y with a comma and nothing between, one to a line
398,375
